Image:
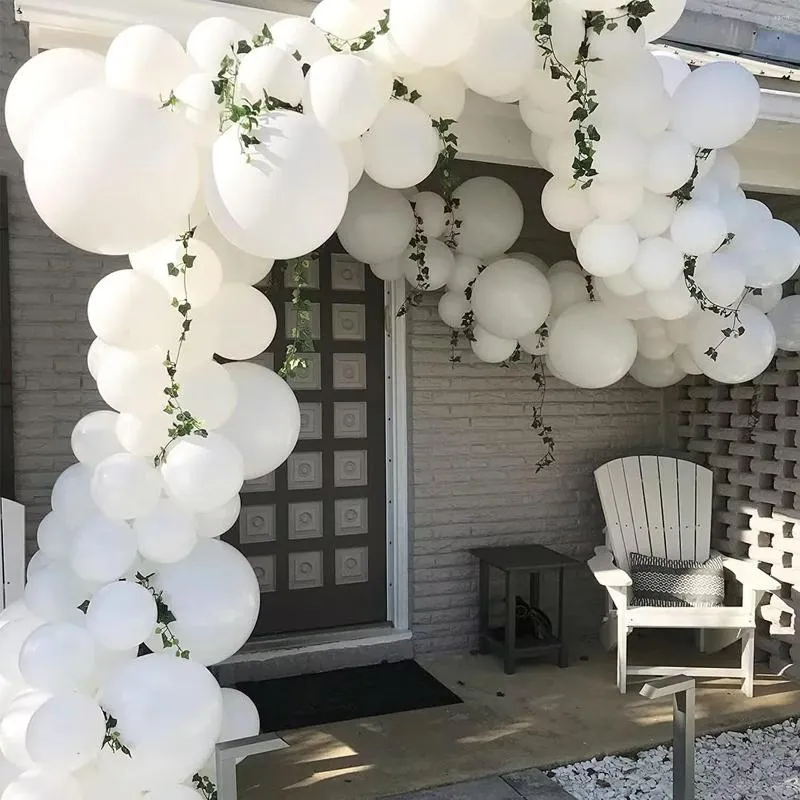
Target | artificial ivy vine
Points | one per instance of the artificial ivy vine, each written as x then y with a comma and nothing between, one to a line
205,786
111,738
164,617
302,334
360,43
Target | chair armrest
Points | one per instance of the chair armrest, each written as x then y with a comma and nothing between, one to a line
749,575
606,572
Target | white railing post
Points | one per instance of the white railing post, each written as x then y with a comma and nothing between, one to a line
228,753
12,551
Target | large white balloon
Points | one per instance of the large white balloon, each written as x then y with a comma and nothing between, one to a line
169,714
121,615
66,732
433,32
146,60
43,81
378,223
716,105
56,657
265,423
401,147
119,174
344,94
785,318
769,251
246,321
125,486
607,248
491,215
167,534
214,596
739,358
252,197
511,298
128,309
103,550
591,347
203,473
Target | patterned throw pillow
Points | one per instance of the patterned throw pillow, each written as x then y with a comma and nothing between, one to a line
664,583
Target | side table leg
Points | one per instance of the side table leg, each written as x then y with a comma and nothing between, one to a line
534,589
511,625
562,651
483,608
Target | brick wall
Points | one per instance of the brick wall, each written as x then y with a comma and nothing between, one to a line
750,437
782,15
473,460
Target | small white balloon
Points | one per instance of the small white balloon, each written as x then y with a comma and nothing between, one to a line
566,206
121,615
133,380
391,270
144,435
270,70
654,216
698,228
721,277
615,201
607,248
684,361
452,308
237,266
430,208
54,535
785,318
125,486
673,302
765,299
656,373
53,593
435,270
444,93
624,285
568,288
240,718
103,550
71,497
663,18
246,319
43,785
674,69
464,272
620,155
94,437
199,106
347,19
167,534
212,39
490,348
299,35
211,524
658,263
491,215
670,162
353,154
57,657
209,392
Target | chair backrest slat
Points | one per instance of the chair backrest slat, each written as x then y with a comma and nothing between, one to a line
656,505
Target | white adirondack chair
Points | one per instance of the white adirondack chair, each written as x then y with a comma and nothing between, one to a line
661,506
12,552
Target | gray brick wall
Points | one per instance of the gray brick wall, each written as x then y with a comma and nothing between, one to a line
473,459
783,15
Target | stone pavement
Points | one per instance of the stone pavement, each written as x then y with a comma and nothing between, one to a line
529,785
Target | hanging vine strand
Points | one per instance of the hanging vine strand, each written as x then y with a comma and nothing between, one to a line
417,245
164,617
302,333
362,42
205,786
111,738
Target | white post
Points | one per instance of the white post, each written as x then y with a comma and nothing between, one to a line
12,551
228,753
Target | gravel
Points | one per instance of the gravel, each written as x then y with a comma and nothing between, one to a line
759,764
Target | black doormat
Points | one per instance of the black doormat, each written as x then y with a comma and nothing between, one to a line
308,700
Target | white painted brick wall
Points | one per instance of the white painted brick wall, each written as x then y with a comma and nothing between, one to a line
782,15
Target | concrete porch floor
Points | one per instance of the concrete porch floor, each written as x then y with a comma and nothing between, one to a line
540,717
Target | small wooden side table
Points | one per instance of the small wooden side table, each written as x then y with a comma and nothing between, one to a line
514,561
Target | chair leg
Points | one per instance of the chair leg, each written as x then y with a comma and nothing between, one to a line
748,660
622,654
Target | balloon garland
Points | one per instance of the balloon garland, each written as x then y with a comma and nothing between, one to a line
205,162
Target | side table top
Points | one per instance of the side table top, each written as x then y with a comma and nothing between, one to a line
523,557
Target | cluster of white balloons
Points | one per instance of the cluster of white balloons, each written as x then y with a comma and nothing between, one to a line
126,154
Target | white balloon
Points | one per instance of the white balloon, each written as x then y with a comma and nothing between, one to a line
590,346
214,523
433,32
203,473
401,147
246,319
125,486
680,330
128,309
174,792
198,284
500,58
353,154
511,298
56,657
265,423
785,318
491,215
721,277
199,106
119,175
663,17
444,93
498,9
658,263
430,208
237,266
121,615
240,718
464,272
619,155
41,83
568,288
698,228
209,393
684,361
212,39
94,437
438,265
769,251
490,348
298,35
390,270
738,358
36,562
146,60
654,216
144,435
607,248
133,380
14,634
765,299
252,197
345,95
167,534
43,785
669,164
655,347
272,71
537,262
452,307
615,201
624,285
535,343
378,223
716,105
656,373
54,535
53,593
169,714
614,47
215,598
566,206
347,19
103,550
72,495
673,302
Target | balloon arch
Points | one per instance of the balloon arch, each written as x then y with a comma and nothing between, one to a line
204,163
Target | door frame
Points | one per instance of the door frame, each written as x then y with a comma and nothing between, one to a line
397,444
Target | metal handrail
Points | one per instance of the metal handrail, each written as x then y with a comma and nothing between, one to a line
682,688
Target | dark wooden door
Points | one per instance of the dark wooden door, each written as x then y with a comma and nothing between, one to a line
315,529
